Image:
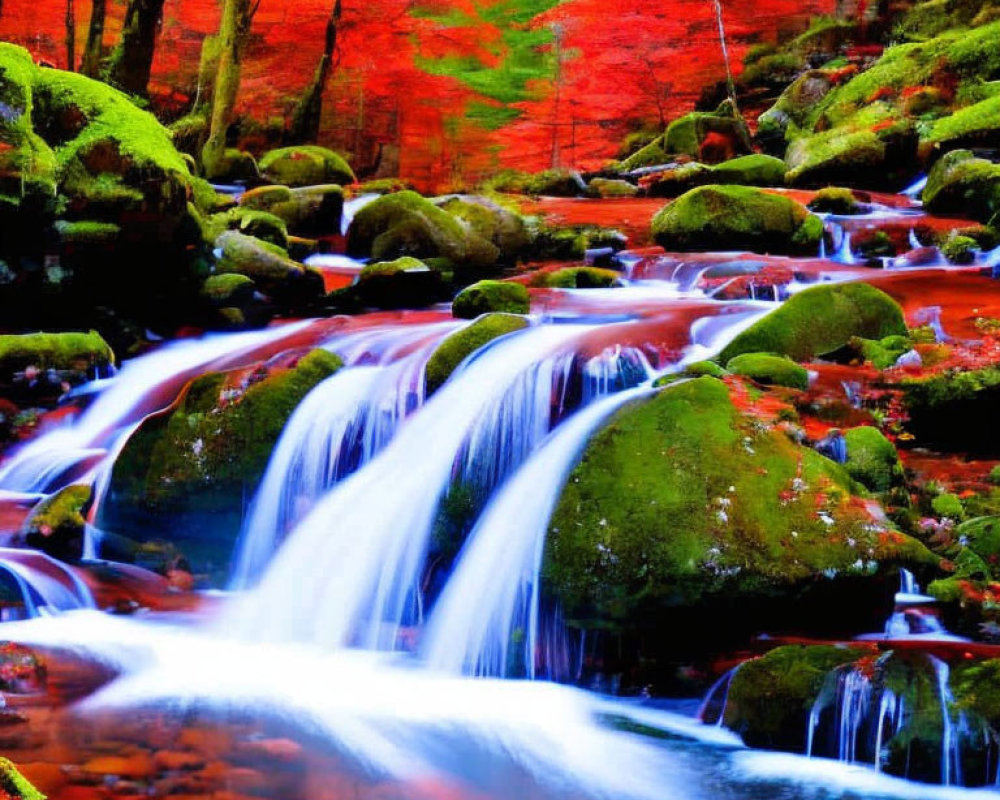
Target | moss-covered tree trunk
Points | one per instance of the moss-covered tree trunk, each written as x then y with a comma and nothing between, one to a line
309,111
70,35
93,50
132,60
237,16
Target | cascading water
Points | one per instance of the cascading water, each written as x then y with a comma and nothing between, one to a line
366,540
487,620
54,459
41,585
951,742
338,428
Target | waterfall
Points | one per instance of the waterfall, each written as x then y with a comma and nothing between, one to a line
855,701
722,685
486,622
47,463
914,190
44,586
365,542
951,744
844,254
338,428
351,209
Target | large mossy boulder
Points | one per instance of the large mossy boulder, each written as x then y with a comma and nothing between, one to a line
489,296
737,218
305,165
186,475
406,224
463,343
75,352
548,183
577,278
708,137
964,185
821,320
752,170
504,228
75,150
683,502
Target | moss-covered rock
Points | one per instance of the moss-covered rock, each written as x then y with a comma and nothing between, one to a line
682,500
735,218
770,697
235,166
751,170
260,224
820,320
962,184
488,296
872,459
81,352
976,125
404,283
608,188
835,200
406,224
505,229
770,370
186,474
461,344
708,137
228,290
14,784
960,249
678,179
548,183
305,165
577,278
650,155
267,265
56,525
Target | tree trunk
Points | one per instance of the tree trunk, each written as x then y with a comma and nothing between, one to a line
309,110
730,85
132,60
237,16
92,52
70,35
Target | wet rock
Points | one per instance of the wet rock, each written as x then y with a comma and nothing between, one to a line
607,188
835,200
751,170
708,137
872,459
306,211
403,283
820,320
305,165
461,344
549,183
76,352
505,229
268,266
488,296
56,525
960,250
577,278
736,218
769,370
951,410
960,183
259,224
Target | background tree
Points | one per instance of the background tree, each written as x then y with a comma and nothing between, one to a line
234,30
93,49
70,35
730,85
309,110
132,59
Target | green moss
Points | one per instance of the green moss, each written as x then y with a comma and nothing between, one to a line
872,459
384,269
835,200
608,188
504,228
305,165
686,135
87,232
736,217
60,515
770,697
260,224
405,223
977,689
820,320
681,498
948,505
461,344
267,265
769,370
229,289
578,278
489,296
77,351
550,183
752,170
951,409
15,785
651,155
880,354
959,183
701,368
960,249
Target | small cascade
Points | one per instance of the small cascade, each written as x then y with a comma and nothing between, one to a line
614,370
951,743
912,616
487,620
855,705
32,585
844,254
59,457
366,541
916,189
716,700
915,243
